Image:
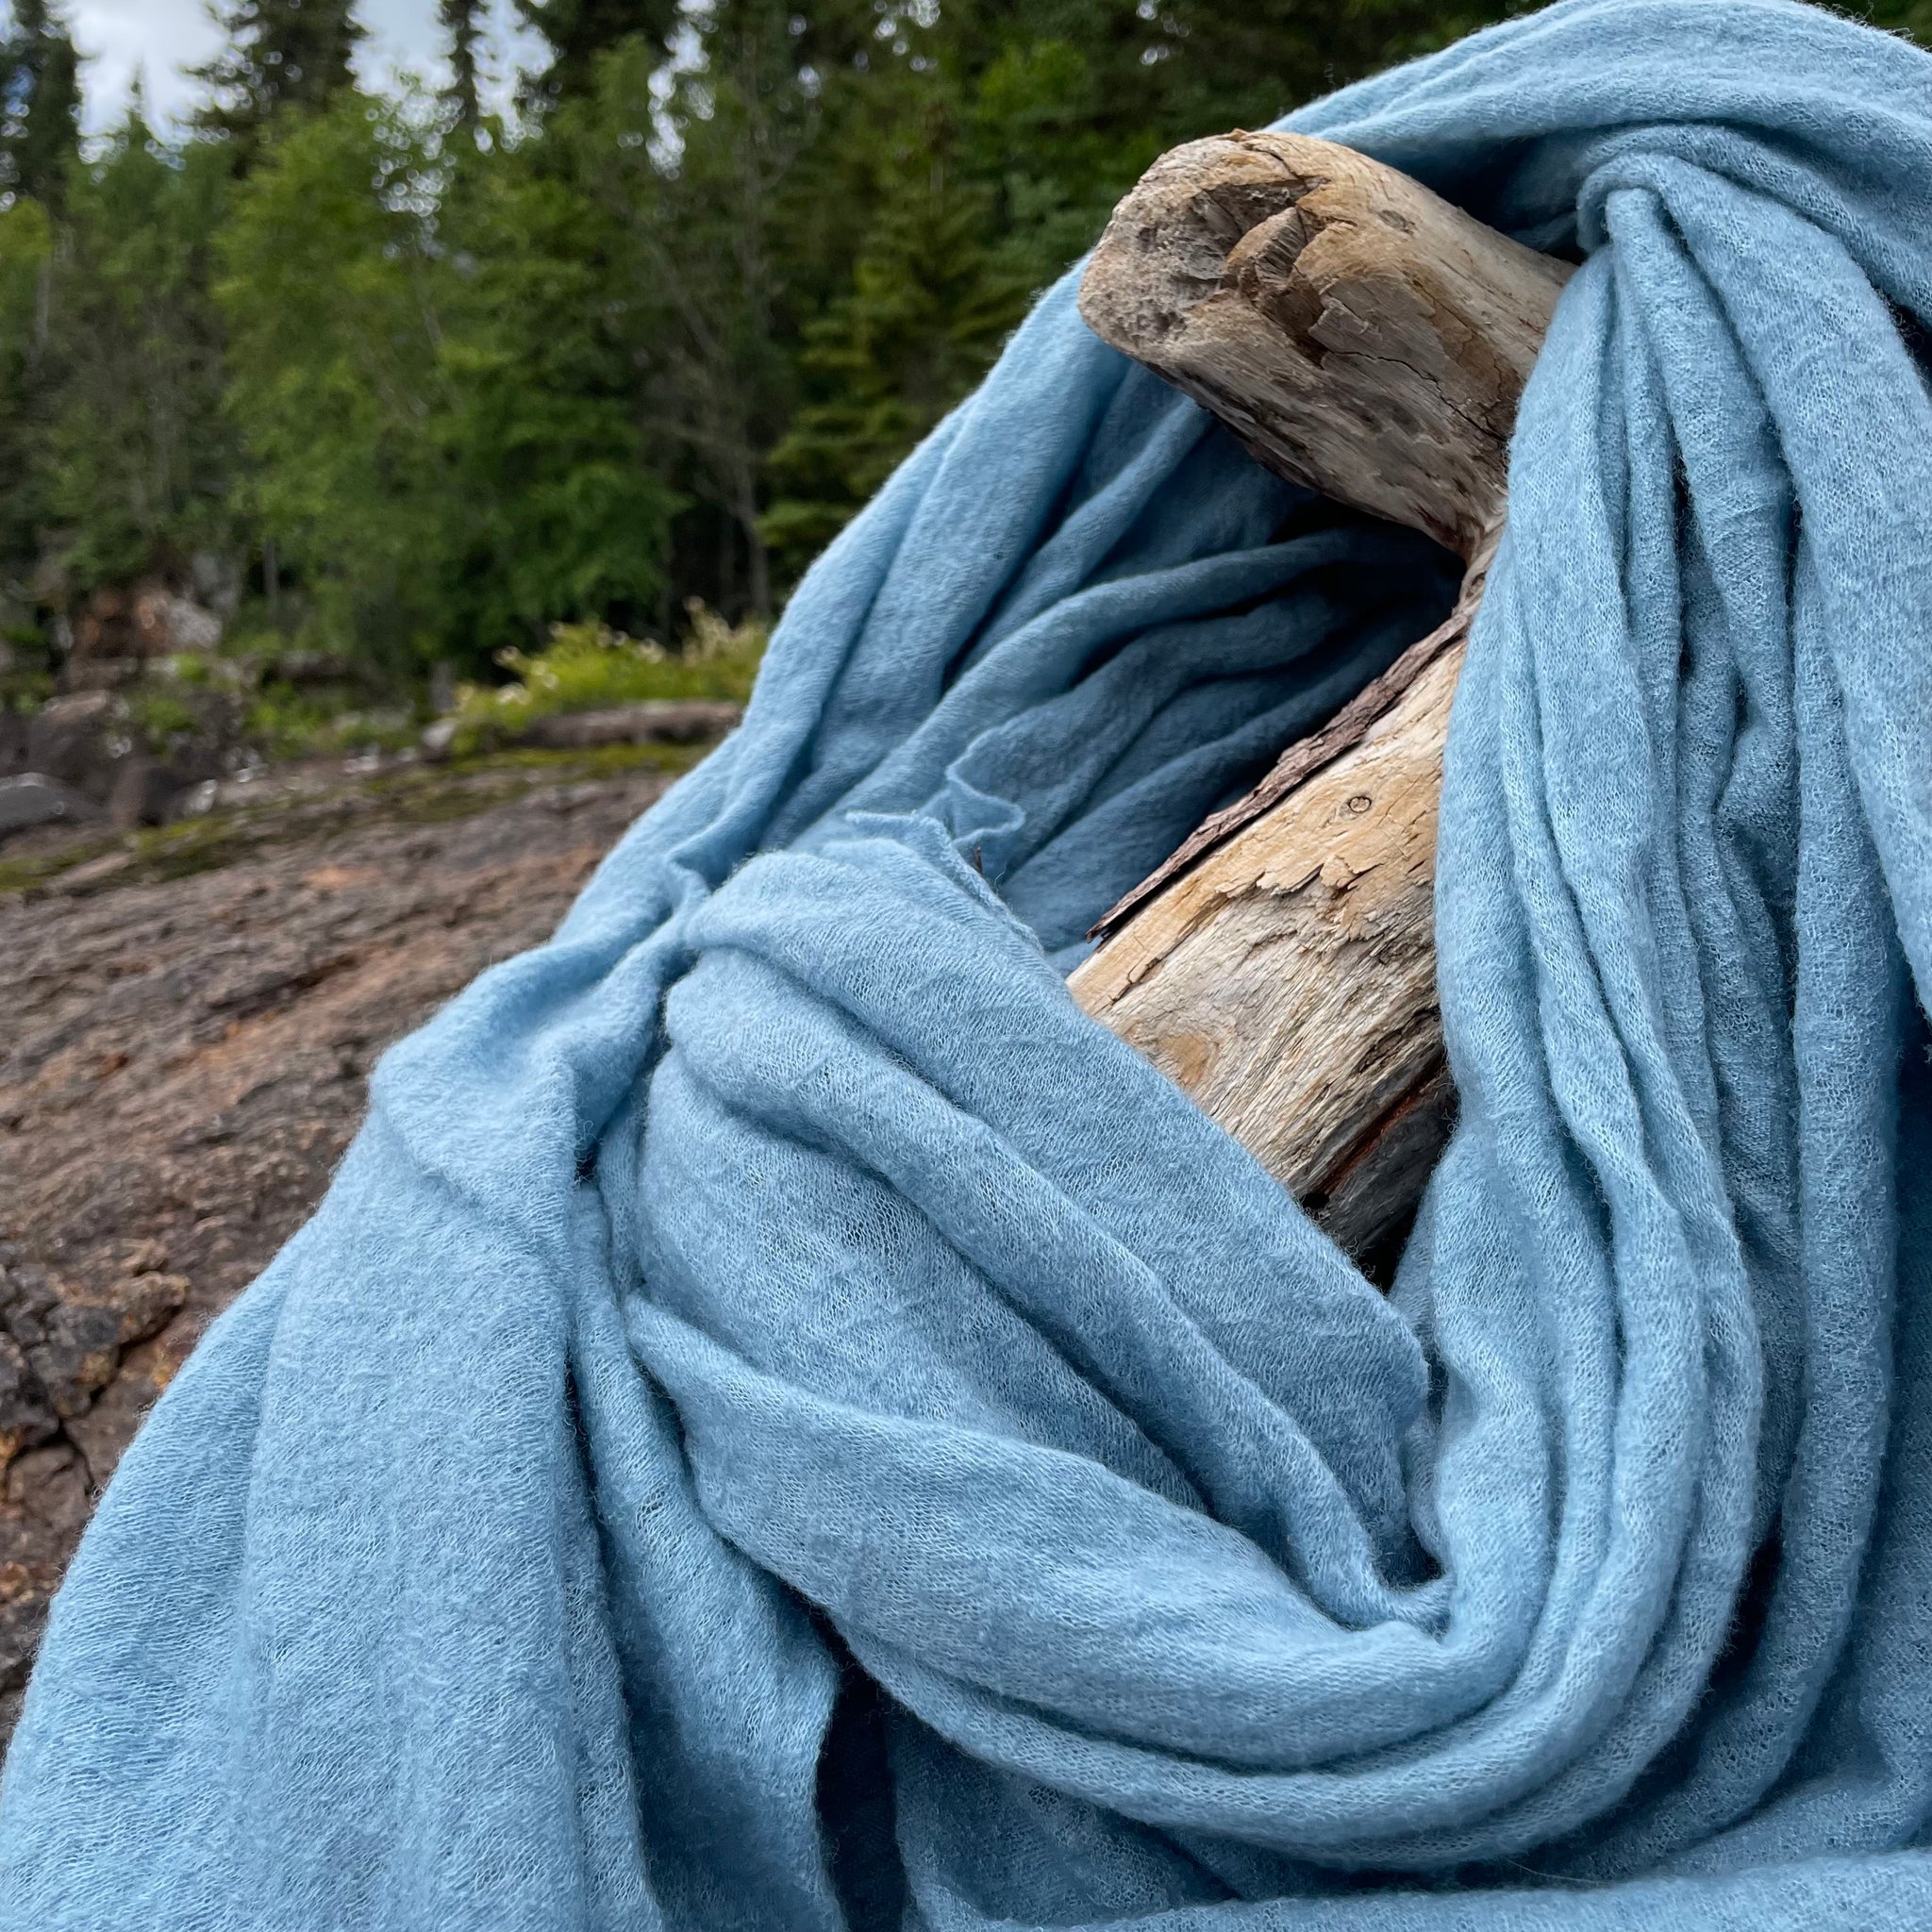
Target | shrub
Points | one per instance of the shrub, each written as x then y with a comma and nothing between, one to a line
589,666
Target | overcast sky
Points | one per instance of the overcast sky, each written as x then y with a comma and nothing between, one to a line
158,39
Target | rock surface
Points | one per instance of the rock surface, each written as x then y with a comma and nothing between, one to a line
148,618
81,741
32,799
184,1062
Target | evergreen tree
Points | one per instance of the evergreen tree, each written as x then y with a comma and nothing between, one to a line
662,345
27,281
136,467
280,54
462,20
710,230
577,31
39,106
116,452
439,412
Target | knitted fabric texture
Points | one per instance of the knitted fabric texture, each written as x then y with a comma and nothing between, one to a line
782,1422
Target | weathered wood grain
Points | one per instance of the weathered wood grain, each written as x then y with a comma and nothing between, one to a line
1362,336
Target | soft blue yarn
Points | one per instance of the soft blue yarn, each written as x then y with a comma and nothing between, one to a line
781,1422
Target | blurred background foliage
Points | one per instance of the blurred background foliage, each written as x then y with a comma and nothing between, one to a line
405,381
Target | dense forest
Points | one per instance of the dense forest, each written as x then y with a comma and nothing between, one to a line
397,377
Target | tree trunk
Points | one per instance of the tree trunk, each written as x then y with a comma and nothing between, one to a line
1362,336
758,558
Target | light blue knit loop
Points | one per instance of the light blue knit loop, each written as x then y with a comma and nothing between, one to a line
783,1422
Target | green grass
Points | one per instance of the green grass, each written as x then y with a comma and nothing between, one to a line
285,723
160,713
24,874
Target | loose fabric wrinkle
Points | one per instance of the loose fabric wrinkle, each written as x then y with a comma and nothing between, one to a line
782,1422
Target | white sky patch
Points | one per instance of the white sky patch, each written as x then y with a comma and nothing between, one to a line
159,40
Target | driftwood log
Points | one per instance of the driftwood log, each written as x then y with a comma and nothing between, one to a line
1364,337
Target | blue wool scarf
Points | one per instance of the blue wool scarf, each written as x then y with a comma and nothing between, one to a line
781,1422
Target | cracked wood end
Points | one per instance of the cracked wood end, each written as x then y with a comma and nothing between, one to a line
1364,337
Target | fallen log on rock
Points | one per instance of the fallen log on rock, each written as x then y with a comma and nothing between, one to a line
659,721
1364,337
652,721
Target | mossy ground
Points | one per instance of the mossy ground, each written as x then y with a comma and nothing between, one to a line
285,811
